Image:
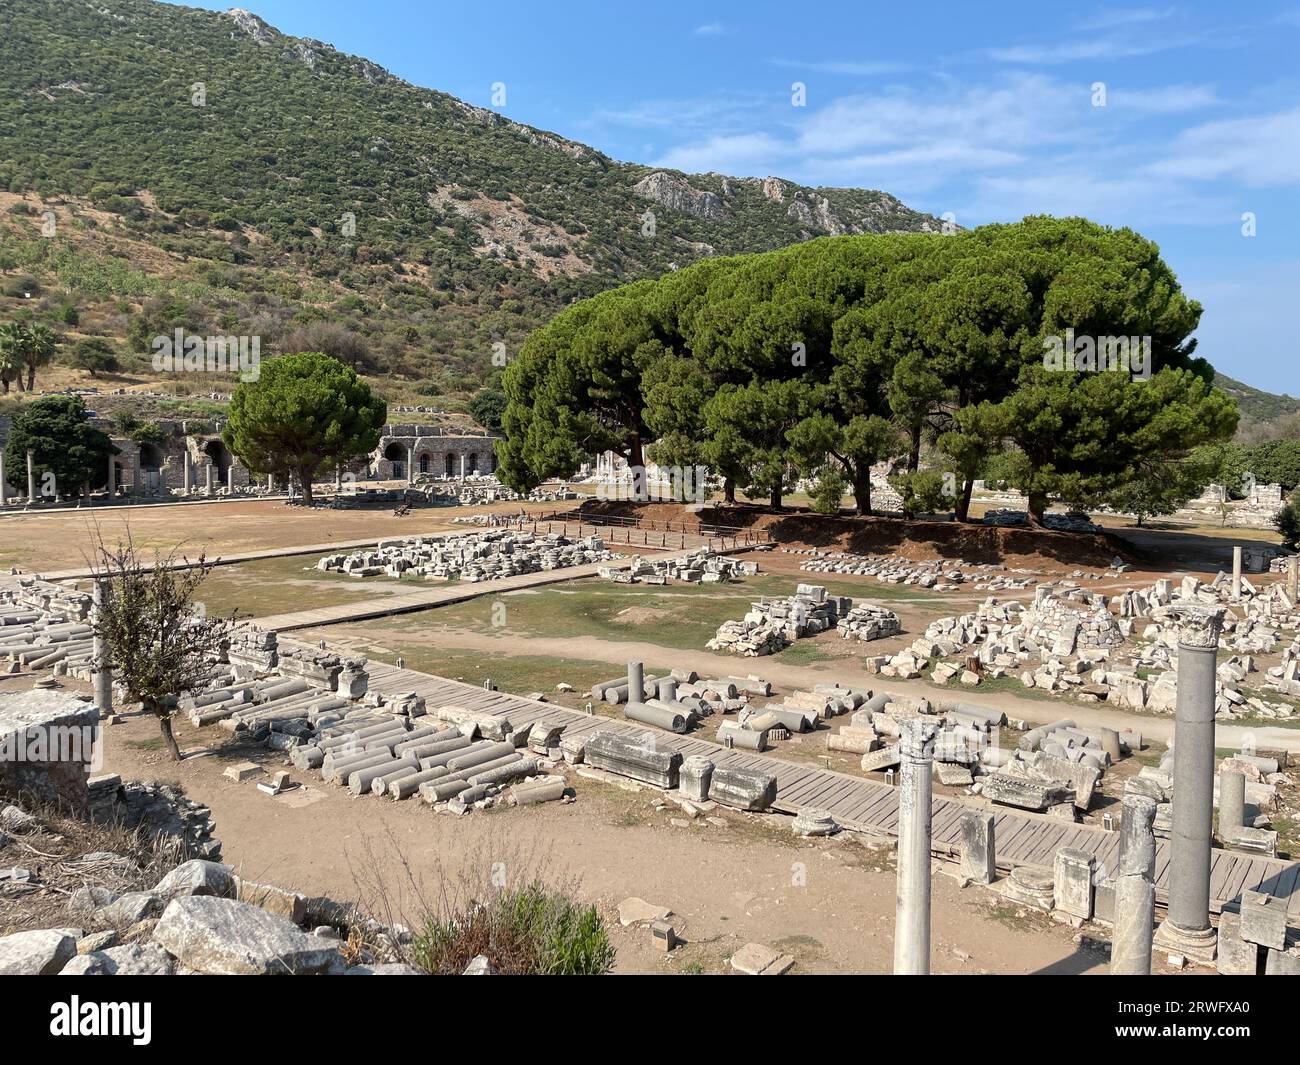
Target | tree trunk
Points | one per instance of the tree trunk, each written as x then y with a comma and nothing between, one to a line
729,490
31,378
776,497
963,502
914,455
1037,508
862,494
636,461
165,727
304,482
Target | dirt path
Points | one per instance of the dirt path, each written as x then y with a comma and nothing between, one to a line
1037,711
830,903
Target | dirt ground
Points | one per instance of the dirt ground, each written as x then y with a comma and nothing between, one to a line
829,903
61,539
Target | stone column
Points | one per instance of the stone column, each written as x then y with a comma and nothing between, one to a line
1293,577
112,476
207,480
270,484
912,912
1135,887
230,478
4,487
462,465
1187,930
1236,573
978,847
338,478
31,477
102,678
635,682
410,465
188,476
1232,803
135,476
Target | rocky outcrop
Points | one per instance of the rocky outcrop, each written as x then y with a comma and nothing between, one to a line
677,195
221,937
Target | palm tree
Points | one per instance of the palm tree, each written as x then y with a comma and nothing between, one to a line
14,342
40,351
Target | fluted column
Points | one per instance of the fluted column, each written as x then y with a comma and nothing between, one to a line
912,912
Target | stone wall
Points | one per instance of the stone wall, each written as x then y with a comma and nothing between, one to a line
47,745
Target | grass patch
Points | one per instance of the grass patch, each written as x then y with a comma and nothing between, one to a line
276,585
682,617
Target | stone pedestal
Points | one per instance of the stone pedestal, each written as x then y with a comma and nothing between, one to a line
912,912
1187,930
694,777
1072,878
1135,888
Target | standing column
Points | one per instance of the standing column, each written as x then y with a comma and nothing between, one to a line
207,480
102,679
1293,578
1135,887
230,479
187,475
410,465
1186,929
31,477
135,476
635,683
462,465
338,478
4,487
1236,574
912,913
270,484
112,476
1232,804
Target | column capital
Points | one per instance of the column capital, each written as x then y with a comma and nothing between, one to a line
1198,626
916,739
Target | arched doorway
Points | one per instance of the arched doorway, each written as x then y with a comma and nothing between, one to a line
396,454
424,462
472,462
221,458
451,464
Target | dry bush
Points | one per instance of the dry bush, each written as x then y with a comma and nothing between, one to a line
498,897
70,852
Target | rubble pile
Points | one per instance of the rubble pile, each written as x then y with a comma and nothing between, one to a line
1070,522
46,626
773,624
469,557
869,623
940,574
702,566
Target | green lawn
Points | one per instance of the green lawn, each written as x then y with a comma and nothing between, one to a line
276,585
679,616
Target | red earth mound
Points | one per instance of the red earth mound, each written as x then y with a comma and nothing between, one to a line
1013,546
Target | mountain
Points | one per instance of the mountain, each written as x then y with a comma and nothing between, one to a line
1264,415
203,170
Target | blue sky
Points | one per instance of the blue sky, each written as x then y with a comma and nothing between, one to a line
984,110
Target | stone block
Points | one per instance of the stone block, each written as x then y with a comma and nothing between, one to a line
1072,881
1236,956
742,789
1263,920
978,848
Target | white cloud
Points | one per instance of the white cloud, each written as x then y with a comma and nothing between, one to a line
866,68
1258,152
710,29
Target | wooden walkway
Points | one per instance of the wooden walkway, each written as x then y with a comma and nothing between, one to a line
869,806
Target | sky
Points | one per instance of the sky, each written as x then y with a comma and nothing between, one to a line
1179,120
